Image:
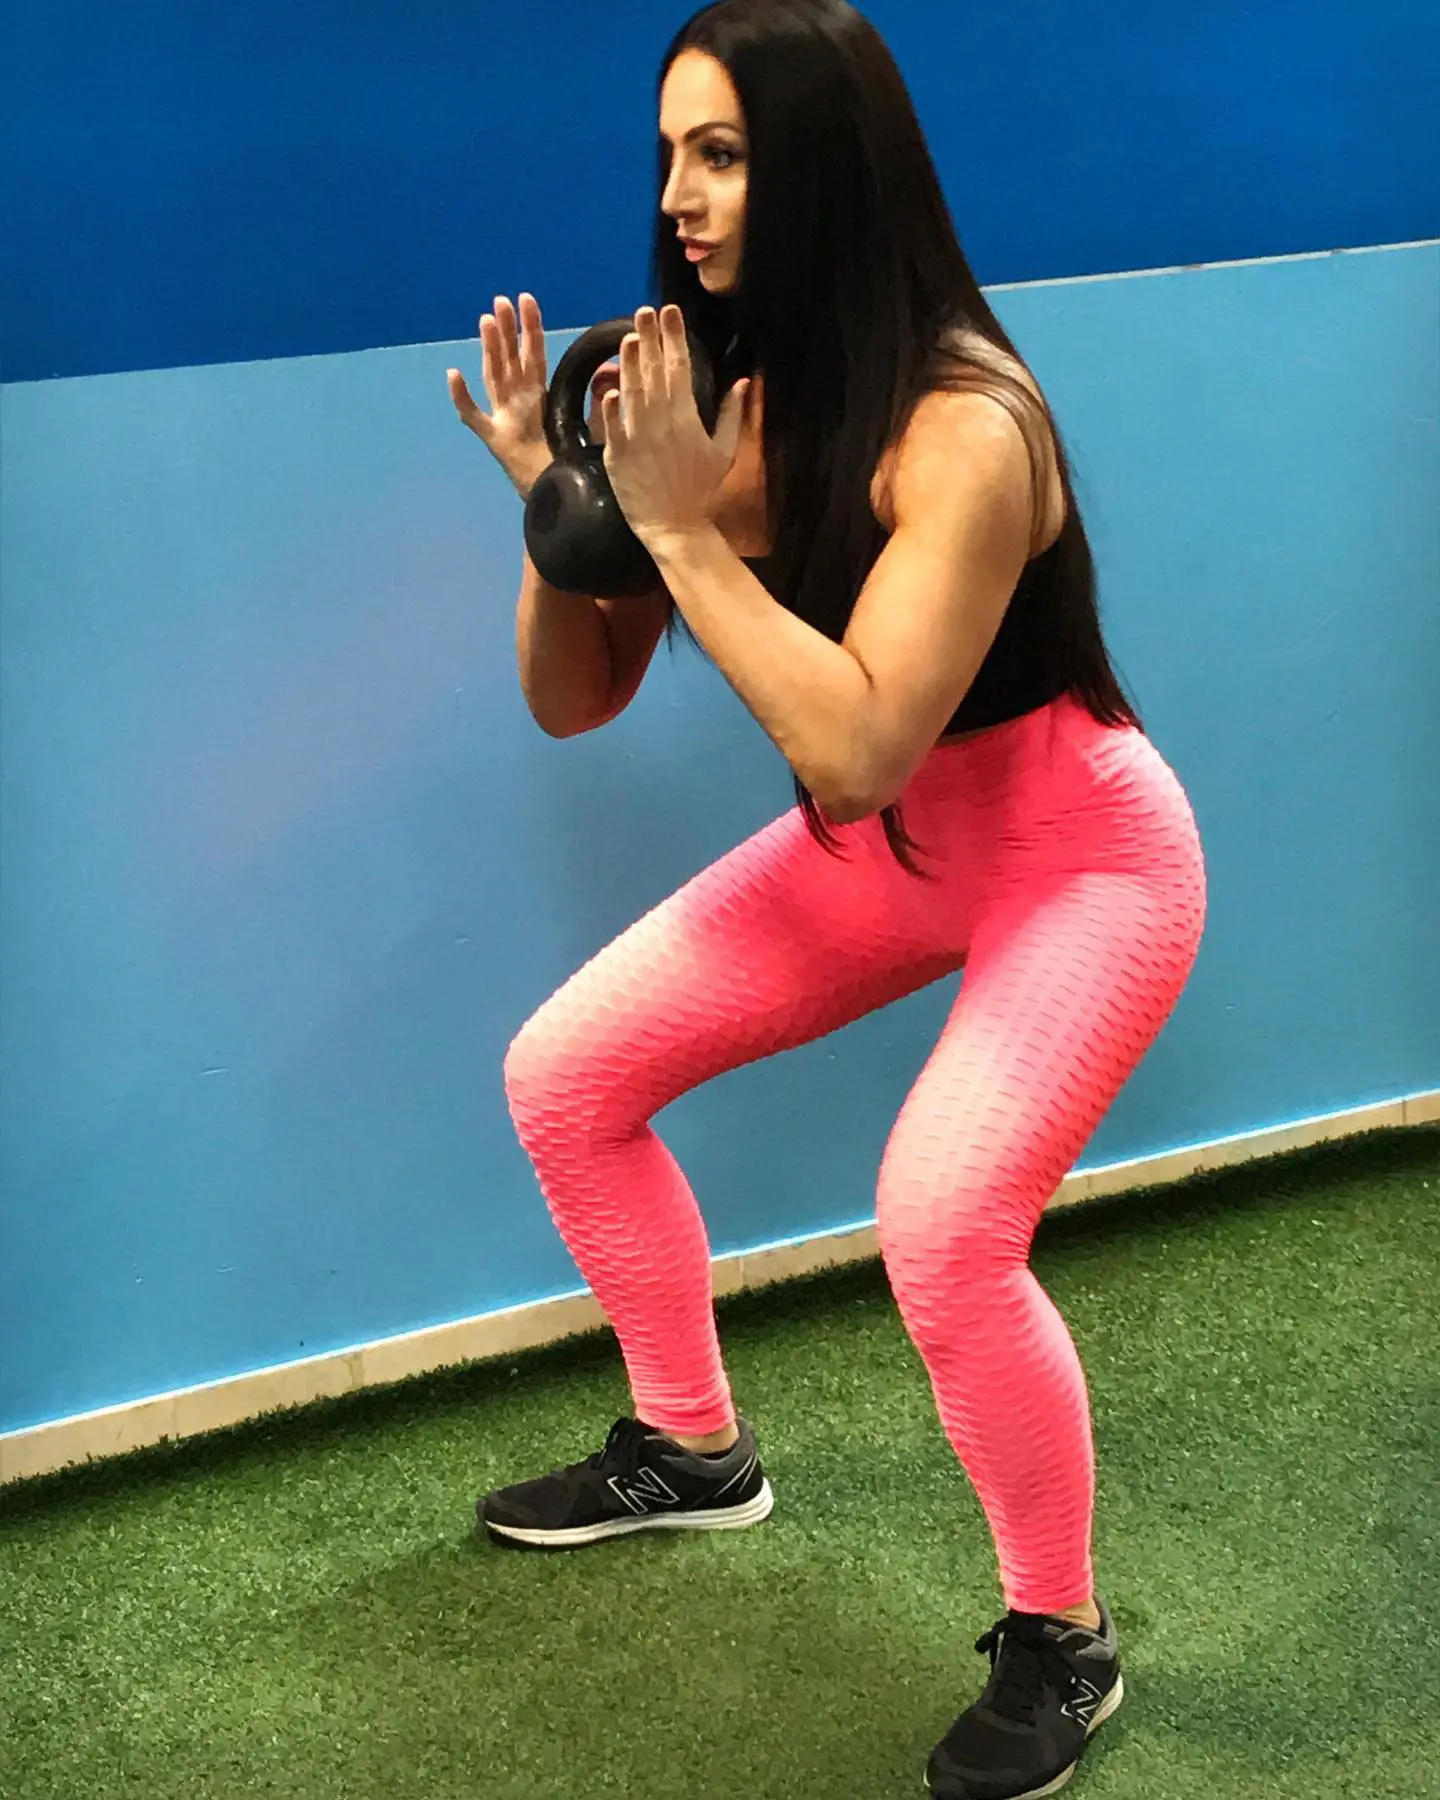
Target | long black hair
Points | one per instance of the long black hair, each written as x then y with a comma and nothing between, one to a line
855,299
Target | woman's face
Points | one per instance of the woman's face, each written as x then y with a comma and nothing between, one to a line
701,120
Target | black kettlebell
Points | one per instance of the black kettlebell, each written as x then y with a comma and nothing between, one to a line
576,534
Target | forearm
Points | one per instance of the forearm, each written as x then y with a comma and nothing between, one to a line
808,694
562,651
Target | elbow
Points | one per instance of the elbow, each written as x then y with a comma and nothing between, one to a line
857,790
844,807
858,769
558,729
563,716
847,798
562,729
562,726
554,722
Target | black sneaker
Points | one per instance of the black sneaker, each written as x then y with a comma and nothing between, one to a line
1051,1684
640,1481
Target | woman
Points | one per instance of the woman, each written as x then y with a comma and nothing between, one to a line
880,549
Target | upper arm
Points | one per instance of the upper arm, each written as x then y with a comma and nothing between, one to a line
634,627
961,494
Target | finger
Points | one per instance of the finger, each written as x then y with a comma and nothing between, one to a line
727,426
675,354
505,319
632,380
469,413
611,420
652,355
532,350
492,362
606,381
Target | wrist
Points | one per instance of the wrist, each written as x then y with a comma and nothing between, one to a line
678,544
525,471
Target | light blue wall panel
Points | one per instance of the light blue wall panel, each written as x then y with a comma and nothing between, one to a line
285,862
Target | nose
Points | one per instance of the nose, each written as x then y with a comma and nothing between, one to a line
679,197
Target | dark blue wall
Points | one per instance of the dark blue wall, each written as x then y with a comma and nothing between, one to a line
199,183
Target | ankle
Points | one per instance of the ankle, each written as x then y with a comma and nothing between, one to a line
1086,1614
725,1439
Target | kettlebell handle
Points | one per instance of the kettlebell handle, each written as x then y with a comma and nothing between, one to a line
565,429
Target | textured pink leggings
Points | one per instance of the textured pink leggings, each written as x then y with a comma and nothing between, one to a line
1071,891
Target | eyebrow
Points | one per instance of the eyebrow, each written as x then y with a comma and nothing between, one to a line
700,130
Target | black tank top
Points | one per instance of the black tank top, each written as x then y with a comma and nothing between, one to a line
1020,672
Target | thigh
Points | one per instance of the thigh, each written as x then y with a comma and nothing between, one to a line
775,945
1065,990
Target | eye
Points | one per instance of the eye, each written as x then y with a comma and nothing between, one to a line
713,150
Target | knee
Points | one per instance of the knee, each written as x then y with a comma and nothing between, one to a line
955,1233
948,1268
529,1081
565,1080
545,1082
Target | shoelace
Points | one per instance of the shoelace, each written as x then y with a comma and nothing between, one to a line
1023,1661
623,1449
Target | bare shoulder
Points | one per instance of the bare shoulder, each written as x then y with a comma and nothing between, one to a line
977,352
979,421
950,438
961,467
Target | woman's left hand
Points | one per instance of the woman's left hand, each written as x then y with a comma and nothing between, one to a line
664,466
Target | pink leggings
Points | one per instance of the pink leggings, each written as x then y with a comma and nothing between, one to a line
1071,891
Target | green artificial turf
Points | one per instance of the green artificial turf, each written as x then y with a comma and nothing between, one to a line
300,1607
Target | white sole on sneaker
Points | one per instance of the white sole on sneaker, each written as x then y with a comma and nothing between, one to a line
729,1518
1102,1712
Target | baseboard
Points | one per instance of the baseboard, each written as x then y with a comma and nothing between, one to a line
189,1412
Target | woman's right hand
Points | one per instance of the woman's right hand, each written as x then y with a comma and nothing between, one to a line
513,368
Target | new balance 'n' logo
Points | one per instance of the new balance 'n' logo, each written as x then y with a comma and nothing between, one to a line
1082,1703
645,1492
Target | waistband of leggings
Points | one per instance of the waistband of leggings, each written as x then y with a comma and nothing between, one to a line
1065,717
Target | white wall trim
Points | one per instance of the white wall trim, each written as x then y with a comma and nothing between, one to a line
1239,262
187,1412
1019,287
